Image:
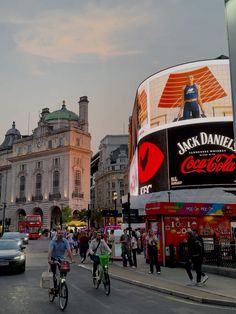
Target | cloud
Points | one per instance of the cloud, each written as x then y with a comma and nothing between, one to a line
64,36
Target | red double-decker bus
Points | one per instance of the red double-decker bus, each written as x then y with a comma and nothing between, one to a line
33,224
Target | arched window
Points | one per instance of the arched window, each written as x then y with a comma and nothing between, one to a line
38,185
22,186
56,182
77,181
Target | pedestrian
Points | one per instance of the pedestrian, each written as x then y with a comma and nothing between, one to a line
152,243
84,245
111,242
195,258
126,248
204,276
75,239
134,247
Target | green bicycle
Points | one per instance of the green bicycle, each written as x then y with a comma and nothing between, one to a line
102,274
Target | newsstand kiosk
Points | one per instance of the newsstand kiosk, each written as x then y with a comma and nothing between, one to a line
170,222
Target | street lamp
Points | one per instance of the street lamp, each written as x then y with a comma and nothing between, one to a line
115,200
3,217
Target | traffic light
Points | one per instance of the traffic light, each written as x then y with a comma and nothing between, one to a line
125,208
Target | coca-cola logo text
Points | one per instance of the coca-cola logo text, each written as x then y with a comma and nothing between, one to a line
217,163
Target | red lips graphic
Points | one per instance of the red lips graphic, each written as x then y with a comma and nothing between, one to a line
150,159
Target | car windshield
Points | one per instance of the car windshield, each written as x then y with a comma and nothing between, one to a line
11,235
8,245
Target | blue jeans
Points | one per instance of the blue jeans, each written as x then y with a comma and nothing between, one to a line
191,110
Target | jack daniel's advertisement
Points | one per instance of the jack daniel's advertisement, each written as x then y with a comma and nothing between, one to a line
202,155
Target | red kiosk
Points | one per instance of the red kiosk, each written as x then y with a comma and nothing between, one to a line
170,221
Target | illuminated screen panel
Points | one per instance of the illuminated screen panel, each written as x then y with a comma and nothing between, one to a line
152,163
202,156
197,90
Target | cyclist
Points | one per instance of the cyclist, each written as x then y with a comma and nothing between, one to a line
56,252
97,247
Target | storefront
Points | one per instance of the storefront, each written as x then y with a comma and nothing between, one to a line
170,221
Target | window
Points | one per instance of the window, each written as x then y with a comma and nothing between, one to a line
22,167
77,181
61,141
29,148
121,184
50,144
38,186
78,141
22,186
113,185
56,162
39,165
56,182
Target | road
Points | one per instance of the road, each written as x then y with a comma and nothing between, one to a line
21,294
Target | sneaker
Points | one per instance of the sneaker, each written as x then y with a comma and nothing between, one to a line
158,272
205,278
191,283
133,266
198,284
150,272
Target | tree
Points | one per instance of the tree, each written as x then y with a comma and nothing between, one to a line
66,214
83,215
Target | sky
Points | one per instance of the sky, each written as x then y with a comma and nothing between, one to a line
55,50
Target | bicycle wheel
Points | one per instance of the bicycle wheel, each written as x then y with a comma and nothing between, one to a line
106,283
51,295
63,295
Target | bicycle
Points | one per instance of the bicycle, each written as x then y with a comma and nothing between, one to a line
102,274
61,289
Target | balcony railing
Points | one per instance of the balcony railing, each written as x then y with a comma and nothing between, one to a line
54,196
37,198
21,199
78,195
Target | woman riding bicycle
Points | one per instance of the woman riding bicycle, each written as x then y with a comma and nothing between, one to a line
97,247
56,252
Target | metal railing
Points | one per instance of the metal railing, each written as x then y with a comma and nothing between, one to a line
215,254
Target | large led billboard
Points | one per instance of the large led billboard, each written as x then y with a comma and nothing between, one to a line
182,118
202,156
182,94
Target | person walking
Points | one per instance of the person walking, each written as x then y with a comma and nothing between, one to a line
195,258
111,242
126,248
134,248
84,246
152,243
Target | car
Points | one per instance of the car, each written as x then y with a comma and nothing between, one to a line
12,257
23,237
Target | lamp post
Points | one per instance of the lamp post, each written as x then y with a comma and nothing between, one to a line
168,196
115,200
3,217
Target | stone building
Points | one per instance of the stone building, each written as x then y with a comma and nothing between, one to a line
49,169
112,167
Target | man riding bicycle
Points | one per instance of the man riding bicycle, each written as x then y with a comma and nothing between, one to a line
56,252
97,247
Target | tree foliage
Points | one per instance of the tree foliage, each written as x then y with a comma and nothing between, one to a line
66,214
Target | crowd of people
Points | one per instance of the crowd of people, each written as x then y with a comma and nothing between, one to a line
133,242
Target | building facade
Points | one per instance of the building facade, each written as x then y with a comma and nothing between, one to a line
112,168
49,169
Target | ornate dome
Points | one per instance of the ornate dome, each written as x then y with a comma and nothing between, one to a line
11,135
62,114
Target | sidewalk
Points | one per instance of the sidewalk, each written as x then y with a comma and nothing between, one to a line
218,290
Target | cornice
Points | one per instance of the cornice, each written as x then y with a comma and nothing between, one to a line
48,152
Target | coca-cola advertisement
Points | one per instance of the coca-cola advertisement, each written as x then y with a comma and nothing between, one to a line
152,163
202,155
